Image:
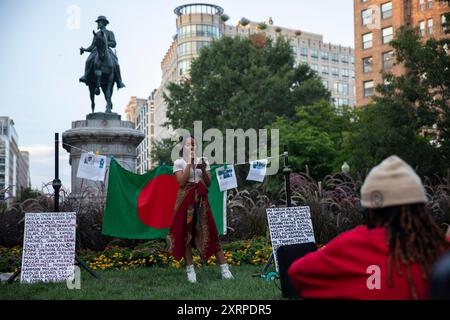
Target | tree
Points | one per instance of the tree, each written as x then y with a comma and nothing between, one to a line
235,84
384,129
426,85
315,137
410,117
161,152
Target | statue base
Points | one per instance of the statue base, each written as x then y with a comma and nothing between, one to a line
103,116
106,134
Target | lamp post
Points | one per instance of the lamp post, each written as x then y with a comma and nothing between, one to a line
345,167
56,182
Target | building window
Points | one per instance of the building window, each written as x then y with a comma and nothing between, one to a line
314,53
183,68
325,70
386,10
422,4
341,102
341,88
367,16
388,60
198,30
345,73
443,23
344,58
367,40
325,83
314,67
335,72
335,57
368,88
352,72
430,26
387,34
367,64
191,48
324,55
422,28
304,52
430,4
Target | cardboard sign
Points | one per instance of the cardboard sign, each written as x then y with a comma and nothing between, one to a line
258,170
226,178
288,226
48,247
92,167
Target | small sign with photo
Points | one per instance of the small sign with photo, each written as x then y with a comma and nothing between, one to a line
226,178
258,170
92,167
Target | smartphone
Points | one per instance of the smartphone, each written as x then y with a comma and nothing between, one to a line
202,161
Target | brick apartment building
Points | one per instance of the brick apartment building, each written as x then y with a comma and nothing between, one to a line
376,22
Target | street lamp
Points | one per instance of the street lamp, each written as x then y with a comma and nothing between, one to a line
345,167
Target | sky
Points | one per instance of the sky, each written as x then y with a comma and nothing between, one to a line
40,61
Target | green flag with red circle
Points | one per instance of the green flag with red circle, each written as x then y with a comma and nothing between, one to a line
142,206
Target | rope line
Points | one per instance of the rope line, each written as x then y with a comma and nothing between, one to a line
125,161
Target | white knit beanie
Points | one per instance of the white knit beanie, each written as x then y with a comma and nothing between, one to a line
393,182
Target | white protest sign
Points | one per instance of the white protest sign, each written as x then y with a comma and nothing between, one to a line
226,178
92,167
288,226
48,247
258,170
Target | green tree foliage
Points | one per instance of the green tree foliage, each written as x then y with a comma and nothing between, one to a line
315,137
384,129
410,117
161,152
242,83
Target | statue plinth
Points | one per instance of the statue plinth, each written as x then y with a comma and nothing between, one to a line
107,134
103,116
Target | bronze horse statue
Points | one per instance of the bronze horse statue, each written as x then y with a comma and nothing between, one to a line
102,66
103,76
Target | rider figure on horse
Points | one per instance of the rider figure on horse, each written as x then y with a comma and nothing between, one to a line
102,22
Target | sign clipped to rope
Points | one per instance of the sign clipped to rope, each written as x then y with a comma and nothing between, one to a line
92,167
257,170
226,176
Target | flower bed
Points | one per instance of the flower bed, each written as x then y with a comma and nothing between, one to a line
152,254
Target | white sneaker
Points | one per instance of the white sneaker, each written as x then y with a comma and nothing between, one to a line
192,277
226,273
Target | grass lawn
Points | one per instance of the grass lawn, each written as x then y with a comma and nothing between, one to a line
153,283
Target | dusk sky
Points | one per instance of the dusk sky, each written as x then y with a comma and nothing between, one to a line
40,61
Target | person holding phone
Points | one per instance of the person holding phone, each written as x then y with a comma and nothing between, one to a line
193,224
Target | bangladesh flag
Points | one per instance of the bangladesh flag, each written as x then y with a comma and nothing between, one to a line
142,206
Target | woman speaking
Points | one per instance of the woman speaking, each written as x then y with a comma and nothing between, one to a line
193,224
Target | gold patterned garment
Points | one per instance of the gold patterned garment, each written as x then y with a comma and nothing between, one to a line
193,223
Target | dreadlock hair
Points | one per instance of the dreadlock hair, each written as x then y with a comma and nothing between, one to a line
413,237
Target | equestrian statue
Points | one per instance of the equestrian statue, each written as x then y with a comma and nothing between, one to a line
102,66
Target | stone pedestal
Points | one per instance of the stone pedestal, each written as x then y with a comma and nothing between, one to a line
107,134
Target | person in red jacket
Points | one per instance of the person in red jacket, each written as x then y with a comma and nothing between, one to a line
391,257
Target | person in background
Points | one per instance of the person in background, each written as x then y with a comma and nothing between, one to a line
193,224
389,258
